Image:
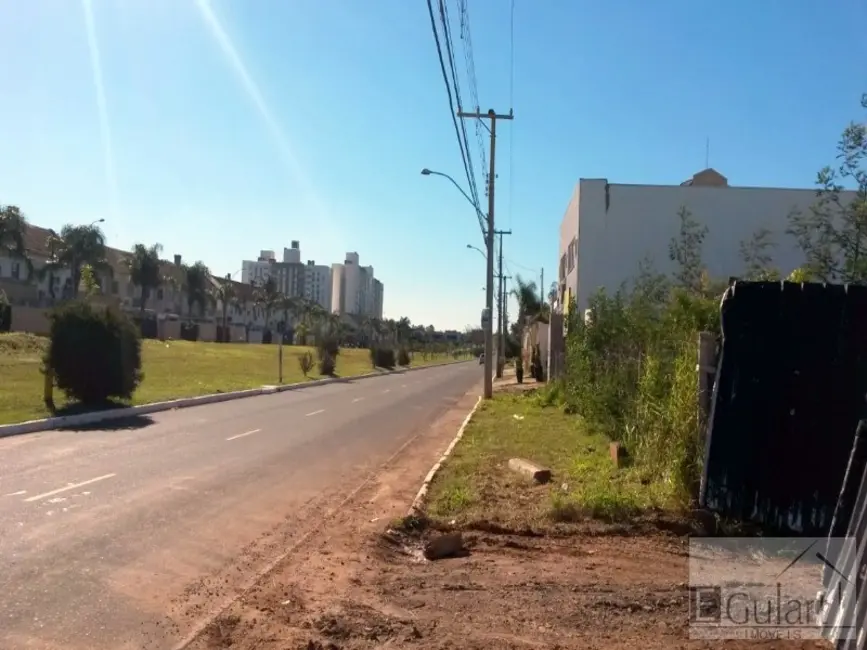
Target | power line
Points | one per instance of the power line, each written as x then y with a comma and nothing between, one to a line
466,37
452,109
447,37
511,107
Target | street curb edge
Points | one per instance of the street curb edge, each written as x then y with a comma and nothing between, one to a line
65,421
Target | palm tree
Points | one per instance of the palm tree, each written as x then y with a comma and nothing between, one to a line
530,306
224,295
268,297
553,293
403,330
13,229
75,247
196,281
145,270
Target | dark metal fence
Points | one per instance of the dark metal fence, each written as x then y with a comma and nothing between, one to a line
788,396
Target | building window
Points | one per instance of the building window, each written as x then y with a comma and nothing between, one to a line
114,286
159,294
16,270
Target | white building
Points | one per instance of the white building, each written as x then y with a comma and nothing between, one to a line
353,288
609,228
257,271
318,284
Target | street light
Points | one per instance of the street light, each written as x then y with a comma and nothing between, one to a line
96,222
481,252
488,233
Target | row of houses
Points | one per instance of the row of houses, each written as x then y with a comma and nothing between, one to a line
31,293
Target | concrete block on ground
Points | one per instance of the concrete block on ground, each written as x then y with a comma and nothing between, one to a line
529,468
442,546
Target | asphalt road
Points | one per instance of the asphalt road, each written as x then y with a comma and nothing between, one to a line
104,533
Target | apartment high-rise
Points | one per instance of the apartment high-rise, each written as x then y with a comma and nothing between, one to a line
353,287
346,288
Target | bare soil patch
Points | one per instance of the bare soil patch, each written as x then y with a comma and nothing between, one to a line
582,583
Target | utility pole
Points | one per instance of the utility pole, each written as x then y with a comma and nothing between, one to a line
504,318
501,297
489,246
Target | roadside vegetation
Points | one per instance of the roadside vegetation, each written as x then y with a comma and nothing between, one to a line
175,369
631,376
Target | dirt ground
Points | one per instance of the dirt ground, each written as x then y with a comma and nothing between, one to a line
359,584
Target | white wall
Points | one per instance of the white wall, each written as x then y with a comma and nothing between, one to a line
318,285
337,288
640,220
254,272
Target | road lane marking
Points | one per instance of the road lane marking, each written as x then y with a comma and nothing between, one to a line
241,435
17,494
387,390
71,486
357,399
403,385
315,413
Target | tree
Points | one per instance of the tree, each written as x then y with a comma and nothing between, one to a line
267,296
553,292
685,250
224,295
196,285
145,270
13,230
75,247
833,232
530,306
755,254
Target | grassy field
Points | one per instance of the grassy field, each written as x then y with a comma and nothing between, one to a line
172,370
476,484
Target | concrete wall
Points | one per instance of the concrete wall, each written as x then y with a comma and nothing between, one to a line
31,320
618,225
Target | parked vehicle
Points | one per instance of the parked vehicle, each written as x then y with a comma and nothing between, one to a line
481,358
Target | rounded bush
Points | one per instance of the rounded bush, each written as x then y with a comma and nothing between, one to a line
95,354
403,357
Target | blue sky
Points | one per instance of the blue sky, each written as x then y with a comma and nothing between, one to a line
265,121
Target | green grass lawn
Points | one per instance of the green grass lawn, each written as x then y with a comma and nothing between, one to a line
172,369
476,484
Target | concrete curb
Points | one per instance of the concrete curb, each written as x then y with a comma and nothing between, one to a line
422,491
81,419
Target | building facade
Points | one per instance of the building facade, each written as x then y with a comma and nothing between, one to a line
354,288
317,284
608,229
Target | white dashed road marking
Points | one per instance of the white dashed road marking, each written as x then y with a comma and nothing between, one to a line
71,486
17,494
387,390
315,413
357,399
241,435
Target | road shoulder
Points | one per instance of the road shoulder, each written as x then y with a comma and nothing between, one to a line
294,601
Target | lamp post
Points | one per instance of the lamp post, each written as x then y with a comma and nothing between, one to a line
487,316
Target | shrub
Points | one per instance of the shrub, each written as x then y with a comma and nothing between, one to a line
383,357
5,313
95,354
327,365
327,345
305,362
631,375
403,357
266,336
190,331
147,326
